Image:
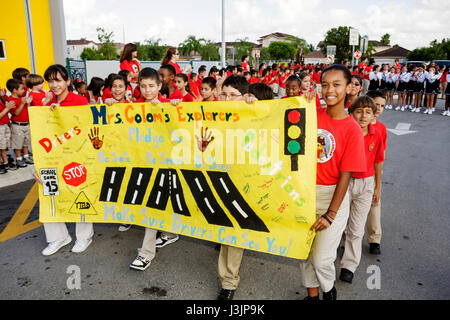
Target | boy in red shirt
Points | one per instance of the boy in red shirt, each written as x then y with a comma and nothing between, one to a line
374,218
36,83
340,153
362,185
5,135
167,75
21,75
20,127
209,89
254,77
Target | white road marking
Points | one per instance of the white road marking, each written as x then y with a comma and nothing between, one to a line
236,205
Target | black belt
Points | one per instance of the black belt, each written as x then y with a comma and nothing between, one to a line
20,123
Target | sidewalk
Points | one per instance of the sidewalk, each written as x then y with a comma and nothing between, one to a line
13,177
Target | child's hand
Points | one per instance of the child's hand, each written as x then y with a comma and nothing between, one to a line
53,106
36,177
110,101
310,95
250,99
2,92
376,196
155,102
176,102
9,105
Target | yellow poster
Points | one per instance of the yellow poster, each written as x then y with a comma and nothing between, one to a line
228,172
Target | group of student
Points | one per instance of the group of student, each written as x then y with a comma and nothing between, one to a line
348,170
415,86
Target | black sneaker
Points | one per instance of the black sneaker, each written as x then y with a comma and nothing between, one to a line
3,169
11,166
330,295
225,294
346,275
374,248
28,160
163,240
21,163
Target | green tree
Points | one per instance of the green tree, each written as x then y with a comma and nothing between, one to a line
91,54
151,50
435,51
107,50
209,51
107,47
340,38
301,47
243,48
281,50
191,44
386,39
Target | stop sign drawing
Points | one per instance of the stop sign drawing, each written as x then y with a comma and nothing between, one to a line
74,174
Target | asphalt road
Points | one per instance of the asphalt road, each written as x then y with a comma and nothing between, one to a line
414,264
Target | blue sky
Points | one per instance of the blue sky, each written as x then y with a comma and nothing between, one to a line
411,23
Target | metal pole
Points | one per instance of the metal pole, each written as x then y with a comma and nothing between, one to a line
353,55
223,35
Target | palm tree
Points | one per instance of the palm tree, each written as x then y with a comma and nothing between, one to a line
190,44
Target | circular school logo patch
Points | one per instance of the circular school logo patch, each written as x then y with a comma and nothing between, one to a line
326,145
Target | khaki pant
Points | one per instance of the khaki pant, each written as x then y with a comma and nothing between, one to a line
5,137
20,136
55,231
229,263
361,193
374,223
148,249
319,270
365,84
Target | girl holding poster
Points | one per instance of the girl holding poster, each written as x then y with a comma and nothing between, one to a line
342,144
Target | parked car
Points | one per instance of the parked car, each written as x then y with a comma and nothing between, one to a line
441,63
415,63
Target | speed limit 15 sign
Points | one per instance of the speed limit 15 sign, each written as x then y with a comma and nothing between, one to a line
49,179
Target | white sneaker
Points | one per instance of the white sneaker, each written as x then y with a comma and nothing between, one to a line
165,239
425,112
390,107
124,227
418,110
413,110
410,107
444,113
81,245
430,111
397,108
140,263
448,114
54,246
433,110
403,109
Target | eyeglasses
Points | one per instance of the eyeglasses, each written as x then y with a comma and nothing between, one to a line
230,96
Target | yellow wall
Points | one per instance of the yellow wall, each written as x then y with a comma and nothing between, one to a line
13,30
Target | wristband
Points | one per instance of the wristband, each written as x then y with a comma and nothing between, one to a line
326,218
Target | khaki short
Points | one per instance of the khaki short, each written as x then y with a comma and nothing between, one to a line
5,137
20,136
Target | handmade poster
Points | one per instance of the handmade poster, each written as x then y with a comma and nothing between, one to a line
228,172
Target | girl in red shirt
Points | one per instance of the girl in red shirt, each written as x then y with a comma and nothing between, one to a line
171,57
305,86
129,61
340,153
182,83
56,232
356,90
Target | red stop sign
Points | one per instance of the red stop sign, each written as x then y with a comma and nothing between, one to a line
74,174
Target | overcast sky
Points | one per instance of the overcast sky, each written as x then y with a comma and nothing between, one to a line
411,23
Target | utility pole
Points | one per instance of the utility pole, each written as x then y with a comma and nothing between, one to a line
223,56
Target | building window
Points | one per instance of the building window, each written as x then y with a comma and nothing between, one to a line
2,50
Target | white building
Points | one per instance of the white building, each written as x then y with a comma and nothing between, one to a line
76,47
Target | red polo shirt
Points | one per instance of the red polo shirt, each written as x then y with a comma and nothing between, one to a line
160,98
340,147
72,99
37,98
176,94
374,152
176,66
23,115
5,118
131,66
380,127
188,97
